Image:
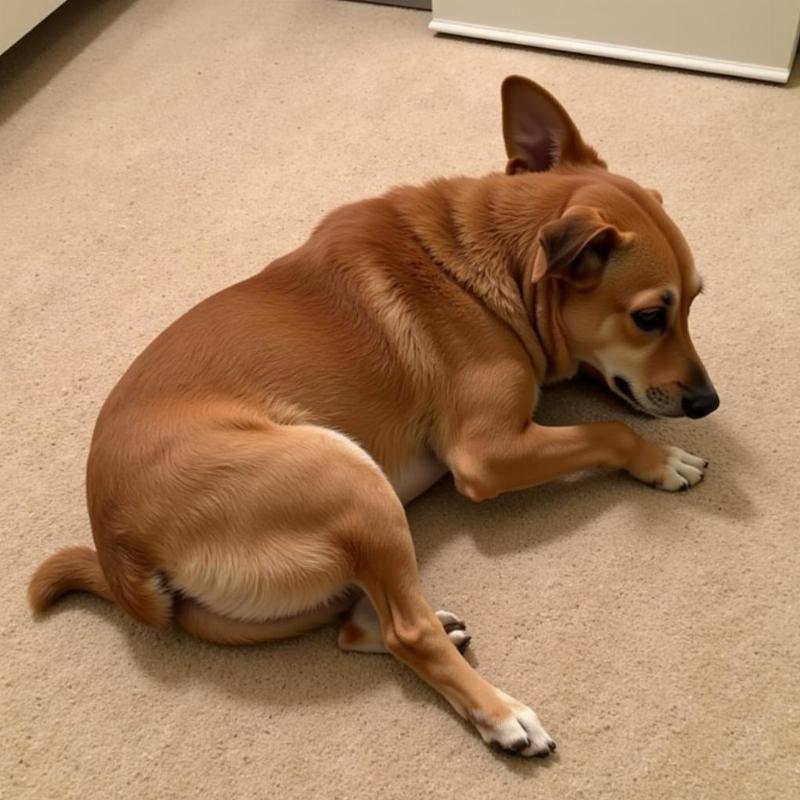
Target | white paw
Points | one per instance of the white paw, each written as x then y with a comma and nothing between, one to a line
681,471
455,629
520,732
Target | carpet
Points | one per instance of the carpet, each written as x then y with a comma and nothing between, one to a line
153,152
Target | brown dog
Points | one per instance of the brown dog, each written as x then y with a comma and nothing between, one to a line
248,473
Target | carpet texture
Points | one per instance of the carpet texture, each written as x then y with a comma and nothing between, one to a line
153,152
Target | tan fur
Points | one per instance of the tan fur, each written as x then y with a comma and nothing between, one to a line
72,569
244,473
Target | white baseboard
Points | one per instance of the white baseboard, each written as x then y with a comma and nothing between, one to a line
700,63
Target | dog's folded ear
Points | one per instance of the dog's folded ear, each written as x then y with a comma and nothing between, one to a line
576,247
538,132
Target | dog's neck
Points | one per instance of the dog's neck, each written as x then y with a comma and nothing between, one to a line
482,232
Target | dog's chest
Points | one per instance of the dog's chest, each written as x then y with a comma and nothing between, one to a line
413,477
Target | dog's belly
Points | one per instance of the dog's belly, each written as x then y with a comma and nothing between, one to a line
415,476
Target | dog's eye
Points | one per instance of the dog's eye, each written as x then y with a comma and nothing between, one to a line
651,319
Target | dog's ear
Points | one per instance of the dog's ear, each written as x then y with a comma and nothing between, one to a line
576,247
538,133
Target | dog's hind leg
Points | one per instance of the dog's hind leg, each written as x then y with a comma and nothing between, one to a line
306,513
277,523
413,634
384,565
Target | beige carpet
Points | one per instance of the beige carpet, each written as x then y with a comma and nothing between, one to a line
152,152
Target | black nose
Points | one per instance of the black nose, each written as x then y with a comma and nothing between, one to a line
701,403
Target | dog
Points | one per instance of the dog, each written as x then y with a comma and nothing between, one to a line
248,474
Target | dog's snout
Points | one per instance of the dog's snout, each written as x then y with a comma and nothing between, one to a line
700,402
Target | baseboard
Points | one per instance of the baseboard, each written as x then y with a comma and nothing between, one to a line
736,68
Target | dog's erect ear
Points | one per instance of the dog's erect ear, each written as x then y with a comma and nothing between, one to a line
538,133
576,247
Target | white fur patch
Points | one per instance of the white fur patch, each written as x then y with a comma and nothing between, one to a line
416,476
681,471
252,589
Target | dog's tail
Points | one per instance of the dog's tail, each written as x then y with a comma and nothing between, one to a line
73,569
132,585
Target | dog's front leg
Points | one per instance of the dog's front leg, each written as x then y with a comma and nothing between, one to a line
491,462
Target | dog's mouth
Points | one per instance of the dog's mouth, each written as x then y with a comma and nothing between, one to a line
624,388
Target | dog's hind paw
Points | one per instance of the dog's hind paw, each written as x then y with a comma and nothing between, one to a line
518,731
455,629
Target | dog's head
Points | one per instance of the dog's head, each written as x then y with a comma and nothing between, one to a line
625,275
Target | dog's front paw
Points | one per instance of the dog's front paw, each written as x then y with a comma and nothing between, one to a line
516,730
668,468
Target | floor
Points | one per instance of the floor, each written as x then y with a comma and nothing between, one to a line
152,152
